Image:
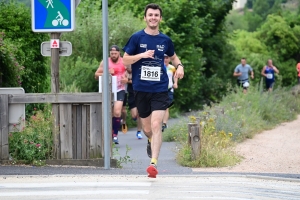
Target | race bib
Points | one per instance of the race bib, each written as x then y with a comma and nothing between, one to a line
269,76
150,73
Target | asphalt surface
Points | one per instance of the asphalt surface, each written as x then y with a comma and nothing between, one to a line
137,164
140,187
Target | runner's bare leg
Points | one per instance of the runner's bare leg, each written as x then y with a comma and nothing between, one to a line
152,129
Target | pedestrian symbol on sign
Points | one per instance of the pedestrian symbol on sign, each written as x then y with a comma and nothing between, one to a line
50,3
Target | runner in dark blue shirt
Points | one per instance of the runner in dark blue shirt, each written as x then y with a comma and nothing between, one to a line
269,73
145,53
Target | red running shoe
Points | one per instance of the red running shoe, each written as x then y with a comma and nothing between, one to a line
152,171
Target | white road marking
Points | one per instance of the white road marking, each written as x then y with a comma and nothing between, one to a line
71,193
75,184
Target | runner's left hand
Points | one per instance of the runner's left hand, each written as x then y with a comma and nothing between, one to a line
124,79
179,72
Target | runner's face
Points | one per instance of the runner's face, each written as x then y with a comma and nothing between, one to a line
114,55
167,60
270,63
152,18
243,61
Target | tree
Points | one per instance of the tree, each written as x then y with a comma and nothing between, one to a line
283,41
261,9
11,70
15,21
197,29
87,53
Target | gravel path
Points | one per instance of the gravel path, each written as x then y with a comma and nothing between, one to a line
272,151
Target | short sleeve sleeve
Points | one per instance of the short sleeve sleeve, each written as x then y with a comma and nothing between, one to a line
131,46
170,51
236,70
250,68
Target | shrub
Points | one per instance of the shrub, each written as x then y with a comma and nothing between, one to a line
216,146
237,117
34,143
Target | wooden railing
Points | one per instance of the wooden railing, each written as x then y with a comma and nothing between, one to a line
80,134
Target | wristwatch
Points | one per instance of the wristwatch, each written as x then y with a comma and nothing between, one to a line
179,65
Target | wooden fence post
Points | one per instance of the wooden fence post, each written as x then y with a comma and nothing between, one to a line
195,139
4,127
66,131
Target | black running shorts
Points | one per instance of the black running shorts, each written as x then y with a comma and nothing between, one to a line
125,99
121,95
148,102
131,100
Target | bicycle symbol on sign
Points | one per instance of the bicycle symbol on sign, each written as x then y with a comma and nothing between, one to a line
60,20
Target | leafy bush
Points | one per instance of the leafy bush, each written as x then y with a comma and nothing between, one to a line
216,146
15,21
34,143
79,74
11,70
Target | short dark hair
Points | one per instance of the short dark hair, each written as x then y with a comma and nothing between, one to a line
243,58
154,7
114,47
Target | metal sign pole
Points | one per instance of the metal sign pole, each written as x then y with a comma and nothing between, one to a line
105,85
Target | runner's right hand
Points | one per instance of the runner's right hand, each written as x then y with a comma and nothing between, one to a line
148,54
111,71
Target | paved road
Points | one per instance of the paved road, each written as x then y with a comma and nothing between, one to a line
131,182
140,187
166,165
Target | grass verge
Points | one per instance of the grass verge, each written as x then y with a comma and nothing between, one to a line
238,117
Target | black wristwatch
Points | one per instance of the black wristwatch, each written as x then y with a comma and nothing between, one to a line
179,65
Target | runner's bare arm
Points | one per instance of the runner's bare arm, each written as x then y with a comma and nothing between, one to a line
252,74
263,71
276,70
237,73
175,85
130,59
128,68
179,71
99,71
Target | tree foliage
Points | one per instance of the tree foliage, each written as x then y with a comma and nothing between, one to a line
15,22
198,32
87,42
275,40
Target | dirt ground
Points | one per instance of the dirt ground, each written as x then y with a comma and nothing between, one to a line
272,151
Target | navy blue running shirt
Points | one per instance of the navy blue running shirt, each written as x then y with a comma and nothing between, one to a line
149,75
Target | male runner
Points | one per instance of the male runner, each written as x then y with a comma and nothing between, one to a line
242,72
116,68
145,53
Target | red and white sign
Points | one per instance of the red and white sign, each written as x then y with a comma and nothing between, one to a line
54,43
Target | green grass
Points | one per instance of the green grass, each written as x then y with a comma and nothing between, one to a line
243,116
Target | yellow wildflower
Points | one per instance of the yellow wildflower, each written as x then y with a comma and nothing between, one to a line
193,119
